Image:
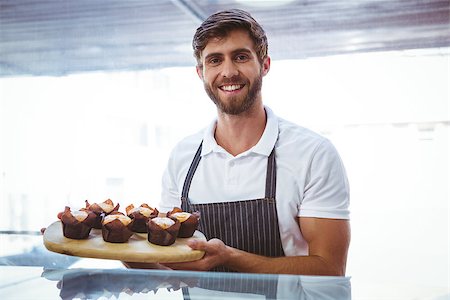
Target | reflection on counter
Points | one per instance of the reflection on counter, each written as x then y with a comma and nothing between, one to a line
94,284
31,271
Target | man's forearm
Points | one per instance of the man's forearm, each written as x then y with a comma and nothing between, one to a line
245,262
327,239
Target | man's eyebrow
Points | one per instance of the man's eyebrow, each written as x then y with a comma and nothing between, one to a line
214,54
241,50
234,52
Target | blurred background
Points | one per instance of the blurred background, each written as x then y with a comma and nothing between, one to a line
94,95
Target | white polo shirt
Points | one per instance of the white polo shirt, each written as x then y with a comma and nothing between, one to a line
311,179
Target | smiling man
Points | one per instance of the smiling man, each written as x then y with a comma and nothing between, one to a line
273,196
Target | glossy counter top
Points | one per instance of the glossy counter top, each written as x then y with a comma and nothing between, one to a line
29,271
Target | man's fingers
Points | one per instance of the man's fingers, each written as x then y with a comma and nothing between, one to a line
209,246
181,266
134,265
214,250
198,245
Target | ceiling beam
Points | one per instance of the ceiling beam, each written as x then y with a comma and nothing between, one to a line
191,10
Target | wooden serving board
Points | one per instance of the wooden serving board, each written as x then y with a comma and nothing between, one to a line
137,249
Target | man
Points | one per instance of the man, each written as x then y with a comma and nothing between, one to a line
273,196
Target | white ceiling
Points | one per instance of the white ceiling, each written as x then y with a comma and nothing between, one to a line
59,37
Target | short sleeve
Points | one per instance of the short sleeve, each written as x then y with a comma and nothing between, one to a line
326,190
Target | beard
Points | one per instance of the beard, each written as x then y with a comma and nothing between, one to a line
235,105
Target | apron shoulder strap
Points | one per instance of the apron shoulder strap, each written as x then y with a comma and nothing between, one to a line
190,174
271,177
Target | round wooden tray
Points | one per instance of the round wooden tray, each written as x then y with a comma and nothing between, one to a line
137,249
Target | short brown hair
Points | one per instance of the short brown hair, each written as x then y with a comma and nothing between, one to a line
222,23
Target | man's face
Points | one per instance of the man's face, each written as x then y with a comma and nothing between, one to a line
231,72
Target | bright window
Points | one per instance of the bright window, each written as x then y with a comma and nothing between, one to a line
108,135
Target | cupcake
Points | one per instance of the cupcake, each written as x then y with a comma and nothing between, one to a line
189,221
163,231
101,209
140,215
77,224
116,227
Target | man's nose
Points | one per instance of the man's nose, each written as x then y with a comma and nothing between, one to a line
229,69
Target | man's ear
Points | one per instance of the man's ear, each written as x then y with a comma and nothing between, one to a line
199,71
265,65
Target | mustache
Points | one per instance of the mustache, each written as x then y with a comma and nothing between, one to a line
234,79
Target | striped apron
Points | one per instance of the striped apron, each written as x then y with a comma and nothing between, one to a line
248,225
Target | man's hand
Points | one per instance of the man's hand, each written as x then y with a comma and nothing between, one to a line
216,254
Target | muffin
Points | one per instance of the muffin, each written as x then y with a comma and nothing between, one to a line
189,221
77,224
116,227
101,209
141,215
163,231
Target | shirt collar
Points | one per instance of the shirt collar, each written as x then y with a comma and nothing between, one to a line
270,135
264,146
209,142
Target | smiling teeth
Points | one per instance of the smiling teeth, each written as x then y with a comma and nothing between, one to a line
231,87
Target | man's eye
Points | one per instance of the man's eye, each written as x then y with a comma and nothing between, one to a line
214,61
242,57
